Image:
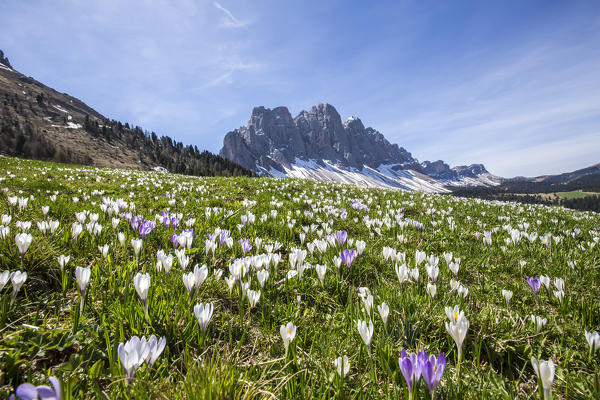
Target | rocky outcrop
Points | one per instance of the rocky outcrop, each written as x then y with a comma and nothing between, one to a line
4,60
273,139
273,143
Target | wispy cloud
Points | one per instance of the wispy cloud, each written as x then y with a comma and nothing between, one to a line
229,20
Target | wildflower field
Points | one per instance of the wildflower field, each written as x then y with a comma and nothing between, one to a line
129,285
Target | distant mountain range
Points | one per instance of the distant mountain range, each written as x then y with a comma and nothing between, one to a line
316,144
40,123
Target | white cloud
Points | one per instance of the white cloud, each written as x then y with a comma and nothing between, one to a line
229,20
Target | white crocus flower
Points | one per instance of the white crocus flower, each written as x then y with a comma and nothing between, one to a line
200,274
593,339
262,277
431,289
384,312
17,279
23,241
366,332
321,270
545,372
83,278
142,285
188,281
457,328
4,278
342,365
253,297
203,313
132,354
508,294
288,333
137,246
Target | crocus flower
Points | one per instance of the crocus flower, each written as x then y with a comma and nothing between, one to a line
132,354
137,246
27,391
4,278
457,328
411,366
288,333
253,297
321,270
593,339
342,365
545,372
156,348
347,256
83,278
431,289
262,277
142,285
188,281
17,279
246,246
433,370
507,296
384,311
203,313
366,332
200,274
145,228
534,283
341,236
23,241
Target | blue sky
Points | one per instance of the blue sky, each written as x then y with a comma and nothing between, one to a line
514,85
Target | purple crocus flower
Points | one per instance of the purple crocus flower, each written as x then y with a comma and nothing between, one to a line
534,283
175,222
348,256
27,391
411,366
135,221
433,369
341,237
246,246
174,240
166,220
146,227
224,236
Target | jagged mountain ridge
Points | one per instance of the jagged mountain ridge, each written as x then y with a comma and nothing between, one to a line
39,122
316,144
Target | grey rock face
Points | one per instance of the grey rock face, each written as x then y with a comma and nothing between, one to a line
273,140
439,169
471,171
4,60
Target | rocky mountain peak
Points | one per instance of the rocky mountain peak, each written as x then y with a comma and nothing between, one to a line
471,171
274,143
4,60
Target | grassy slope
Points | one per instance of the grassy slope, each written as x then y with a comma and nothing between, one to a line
242,354
575,194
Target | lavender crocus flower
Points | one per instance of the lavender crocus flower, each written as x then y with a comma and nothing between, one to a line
146,227
246,246
27,391
433,369
174,240
534,283
348,256
224,236
166,220
411,366
341,237
175,222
